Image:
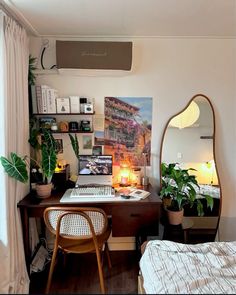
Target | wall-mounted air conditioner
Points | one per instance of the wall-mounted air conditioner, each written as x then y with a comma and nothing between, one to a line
93,57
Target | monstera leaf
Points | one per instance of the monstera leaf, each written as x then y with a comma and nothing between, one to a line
15,167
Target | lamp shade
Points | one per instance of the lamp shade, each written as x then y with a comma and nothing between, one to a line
124,173
187,118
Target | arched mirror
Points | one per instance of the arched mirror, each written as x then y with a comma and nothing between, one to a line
189,139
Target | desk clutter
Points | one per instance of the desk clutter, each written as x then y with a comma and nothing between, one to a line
102,193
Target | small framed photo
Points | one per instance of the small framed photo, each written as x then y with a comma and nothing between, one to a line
97,150
87,142
59,146
46,122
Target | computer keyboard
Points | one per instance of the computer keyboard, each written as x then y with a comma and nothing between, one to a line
93,191
89,193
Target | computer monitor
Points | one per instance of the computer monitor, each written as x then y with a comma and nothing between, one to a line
95,169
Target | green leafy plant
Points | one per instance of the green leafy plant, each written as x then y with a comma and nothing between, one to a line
16,166
75,144
32,68
180,187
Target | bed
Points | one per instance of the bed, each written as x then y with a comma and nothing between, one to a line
173,268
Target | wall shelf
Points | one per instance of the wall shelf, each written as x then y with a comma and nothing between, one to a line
64,114
206,137
62,132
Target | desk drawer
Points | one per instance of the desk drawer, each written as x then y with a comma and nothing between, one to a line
132,220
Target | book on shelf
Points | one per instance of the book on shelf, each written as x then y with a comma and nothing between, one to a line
34,99
52,95
44,99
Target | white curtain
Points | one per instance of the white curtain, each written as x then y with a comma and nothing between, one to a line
14,134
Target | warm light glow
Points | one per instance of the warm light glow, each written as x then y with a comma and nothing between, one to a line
210,169
124,173
204,174
187,117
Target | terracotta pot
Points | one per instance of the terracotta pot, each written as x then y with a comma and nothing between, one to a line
44,190
175,217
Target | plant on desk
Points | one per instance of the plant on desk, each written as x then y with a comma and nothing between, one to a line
16,166
178,187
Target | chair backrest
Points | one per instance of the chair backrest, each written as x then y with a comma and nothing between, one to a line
74,222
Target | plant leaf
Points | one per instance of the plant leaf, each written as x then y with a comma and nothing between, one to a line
75,144
15,167
49,161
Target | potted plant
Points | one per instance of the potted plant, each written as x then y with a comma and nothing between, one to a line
179,187
16,166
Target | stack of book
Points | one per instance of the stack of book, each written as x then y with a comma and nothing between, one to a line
43,99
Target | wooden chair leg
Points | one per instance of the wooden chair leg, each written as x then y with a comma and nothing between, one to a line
108,255
100,272
51,270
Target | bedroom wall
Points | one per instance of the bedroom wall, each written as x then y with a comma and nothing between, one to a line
171,71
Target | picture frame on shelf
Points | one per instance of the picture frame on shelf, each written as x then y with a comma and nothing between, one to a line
46,122
63,105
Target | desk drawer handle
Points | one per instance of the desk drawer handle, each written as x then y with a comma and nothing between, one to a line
135,215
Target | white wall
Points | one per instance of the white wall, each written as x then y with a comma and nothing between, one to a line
172,71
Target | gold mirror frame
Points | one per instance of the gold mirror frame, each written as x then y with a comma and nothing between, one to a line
213,147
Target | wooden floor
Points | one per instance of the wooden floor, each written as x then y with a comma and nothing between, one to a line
80,275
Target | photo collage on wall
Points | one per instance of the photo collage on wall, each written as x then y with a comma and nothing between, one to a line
127,129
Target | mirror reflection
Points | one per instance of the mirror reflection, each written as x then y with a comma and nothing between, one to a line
189,140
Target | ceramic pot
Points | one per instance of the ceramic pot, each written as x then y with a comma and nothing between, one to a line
175,217
43,190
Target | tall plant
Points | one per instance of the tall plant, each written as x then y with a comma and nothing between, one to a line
16,166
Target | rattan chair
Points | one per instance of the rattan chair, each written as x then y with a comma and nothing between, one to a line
78,230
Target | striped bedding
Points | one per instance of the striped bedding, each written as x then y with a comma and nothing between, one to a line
174,268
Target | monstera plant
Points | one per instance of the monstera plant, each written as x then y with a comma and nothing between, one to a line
16,166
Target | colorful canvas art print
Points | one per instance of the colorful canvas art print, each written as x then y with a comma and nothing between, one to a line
128,126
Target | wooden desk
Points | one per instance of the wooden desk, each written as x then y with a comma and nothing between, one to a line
129,218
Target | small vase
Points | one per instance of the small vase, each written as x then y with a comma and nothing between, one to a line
44,190
175,217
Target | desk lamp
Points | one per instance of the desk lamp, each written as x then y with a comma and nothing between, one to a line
124,173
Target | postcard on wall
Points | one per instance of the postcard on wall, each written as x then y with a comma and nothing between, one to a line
87,142
128,127
97,150
99,137
98,122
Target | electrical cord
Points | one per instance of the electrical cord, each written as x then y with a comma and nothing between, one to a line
45,46
41,59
